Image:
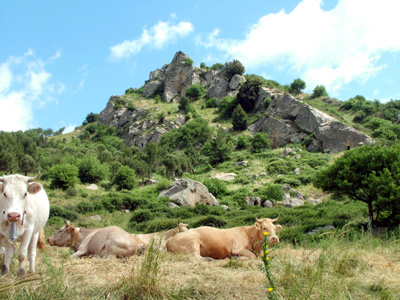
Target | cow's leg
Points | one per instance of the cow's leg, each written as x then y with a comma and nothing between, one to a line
32,252
22,250
8,255
244,253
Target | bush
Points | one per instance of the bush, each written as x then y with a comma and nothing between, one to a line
125,178
63,176
91,170
297,85
216,187
270,191
248,94
56,211
212,102
212,221
140,216
84,207
189,62
319,91
195,91
232,68
242,142
260,142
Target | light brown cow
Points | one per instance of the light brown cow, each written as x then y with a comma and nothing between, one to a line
209,242
161,236
103,242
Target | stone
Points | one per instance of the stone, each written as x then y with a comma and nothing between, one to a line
92,187
225,176
268,203
188,192
243,163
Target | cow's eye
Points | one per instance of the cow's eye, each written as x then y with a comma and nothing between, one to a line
26,194
5,195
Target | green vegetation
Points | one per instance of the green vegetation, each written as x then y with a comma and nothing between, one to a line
331,264
232,68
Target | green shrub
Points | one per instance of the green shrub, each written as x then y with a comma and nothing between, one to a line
84,207
91,170
212,103
189,62
260,142
281,166
216,187
140,216
248,94
163,184
195,91
288,179
319,91
157,225
232,68
63,176
242,142
56,211
212,221
125,178
270,191
201,209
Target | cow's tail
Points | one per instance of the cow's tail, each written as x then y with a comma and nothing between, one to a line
41,240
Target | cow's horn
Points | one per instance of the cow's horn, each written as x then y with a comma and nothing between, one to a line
274,220
257,219
66,222
32,179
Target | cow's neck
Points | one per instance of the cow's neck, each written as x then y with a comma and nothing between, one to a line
82,234
254,239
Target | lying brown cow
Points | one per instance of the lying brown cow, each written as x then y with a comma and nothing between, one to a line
162,236
108,241
209,242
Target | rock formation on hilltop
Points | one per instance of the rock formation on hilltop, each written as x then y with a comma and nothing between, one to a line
286,120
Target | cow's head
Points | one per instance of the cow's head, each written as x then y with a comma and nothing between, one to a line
14,194
181,227
267,225
63,237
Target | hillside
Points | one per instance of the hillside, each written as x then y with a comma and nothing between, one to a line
179,129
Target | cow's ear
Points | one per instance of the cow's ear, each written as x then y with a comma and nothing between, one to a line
278,228
34,188
258,226
71,229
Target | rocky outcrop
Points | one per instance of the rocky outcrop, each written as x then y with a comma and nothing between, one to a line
288,120
189,192
137,126
176,77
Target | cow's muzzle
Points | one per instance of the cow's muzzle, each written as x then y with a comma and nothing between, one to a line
13,217
274,240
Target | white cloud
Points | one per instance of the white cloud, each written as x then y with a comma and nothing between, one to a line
325,47
69,129
24,85
158,37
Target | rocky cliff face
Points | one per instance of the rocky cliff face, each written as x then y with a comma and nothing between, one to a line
287,120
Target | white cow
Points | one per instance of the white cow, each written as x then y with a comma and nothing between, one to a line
24,202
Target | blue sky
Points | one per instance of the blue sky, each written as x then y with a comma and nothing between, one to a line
61,60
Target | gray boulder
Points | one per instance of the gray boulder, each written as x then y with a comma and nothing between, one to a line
189,192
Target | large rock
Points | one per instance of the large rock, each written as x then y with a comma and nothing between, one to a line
288,120
189,192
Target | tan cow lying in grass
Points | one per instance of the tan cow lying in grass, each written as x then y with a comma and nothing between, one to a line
209,242
161,236
108,241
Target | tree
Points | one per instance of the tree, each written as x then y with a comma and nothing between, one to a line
239,119
232,68
91,170
319,91
297,85
27,164
260,142
218,148
248,94
125,178
63,176
370,174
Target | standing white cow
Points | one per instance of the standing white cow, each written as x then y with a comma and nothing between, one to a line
23,202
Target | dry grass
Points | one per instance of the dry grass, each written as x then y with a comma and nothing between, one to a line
342,271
